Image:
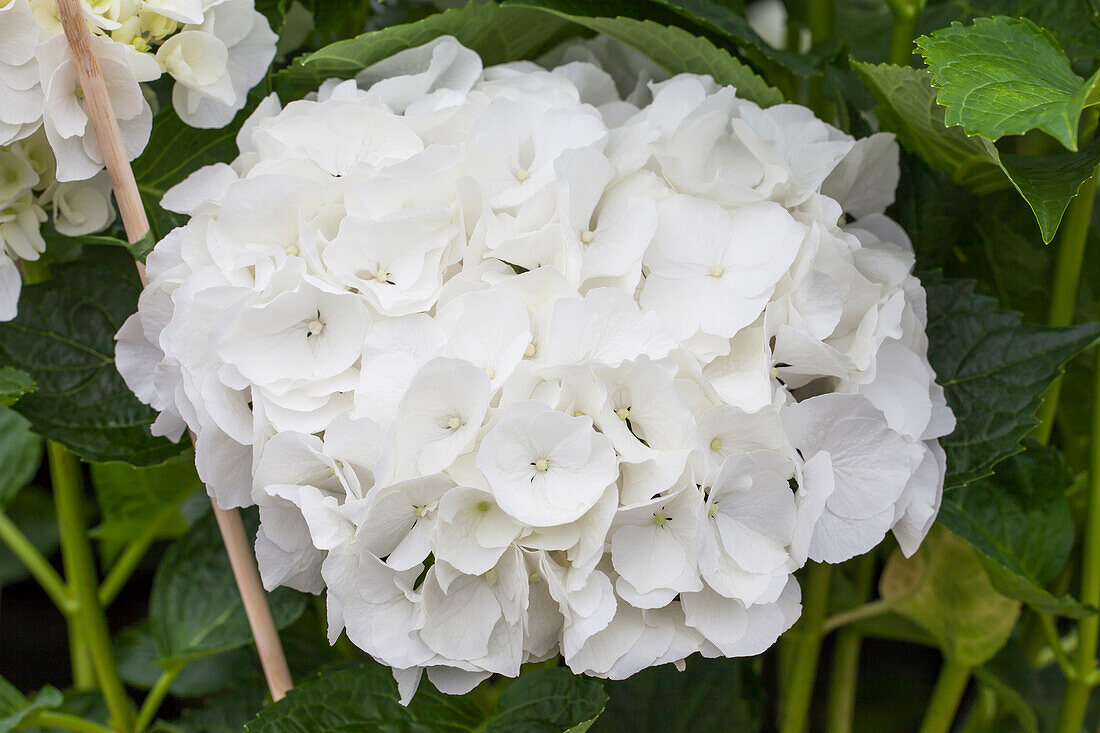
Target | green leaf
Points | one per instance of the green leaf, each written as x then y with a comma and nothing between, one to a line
1005,76
195,608
907,107
20,454
723,20
15,707
498,34
13,385
131,498
1048,182
1019,521
994,370
710,694
944,588
174,152
64,338
365,698
675,49
32,512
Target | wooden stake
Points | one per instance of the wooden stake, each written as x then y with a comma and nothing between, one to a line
132,211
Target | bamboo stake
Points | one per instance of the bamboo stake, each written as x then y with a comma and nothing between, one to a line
132,211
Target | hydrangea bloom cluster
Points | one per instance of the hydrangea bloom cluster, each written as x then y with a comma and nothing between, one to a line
214,50
518,362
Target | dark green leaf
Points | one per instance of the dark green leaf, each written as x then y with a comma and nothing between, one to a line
365,698
710,695
13,385
64,338
14,707
1005,76
994,369
723,20
907,107
195,608
938,215
1019,520
130,499
1048,182
32,512
20,453
676,49
497,34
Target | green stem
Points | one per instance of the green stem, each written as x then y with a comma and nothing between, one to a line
845,669
867,610
1054,641
131,555
946,697
76,554
798,688
906,17
40,568
1076,699
821,19
1067,274
83,674
156,696
51,719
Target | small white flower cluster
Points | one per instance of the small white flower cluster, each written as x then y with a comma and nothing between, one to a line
215,50
516,366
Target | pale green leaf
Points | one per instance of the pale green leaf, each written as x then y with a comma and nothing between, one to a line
1005,76
15,707
13,385
945,589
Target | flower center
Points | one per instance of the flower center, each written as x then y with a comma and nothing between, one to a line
541,464
292,249
716,444
623,413
661,519
522,174
716,271
315,327
483,506
530,350
420,509
587,236
454,423
713,510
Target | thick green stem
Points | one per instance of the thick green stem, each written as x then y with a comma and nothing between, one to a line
131,555
1076,698
64,721
946,697
76,555
805,641
845,669
902,35
83,674
40,568
156,696
1067,273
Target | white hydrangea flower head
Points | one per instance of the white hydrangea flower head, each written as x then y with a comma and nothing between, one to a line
519,362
